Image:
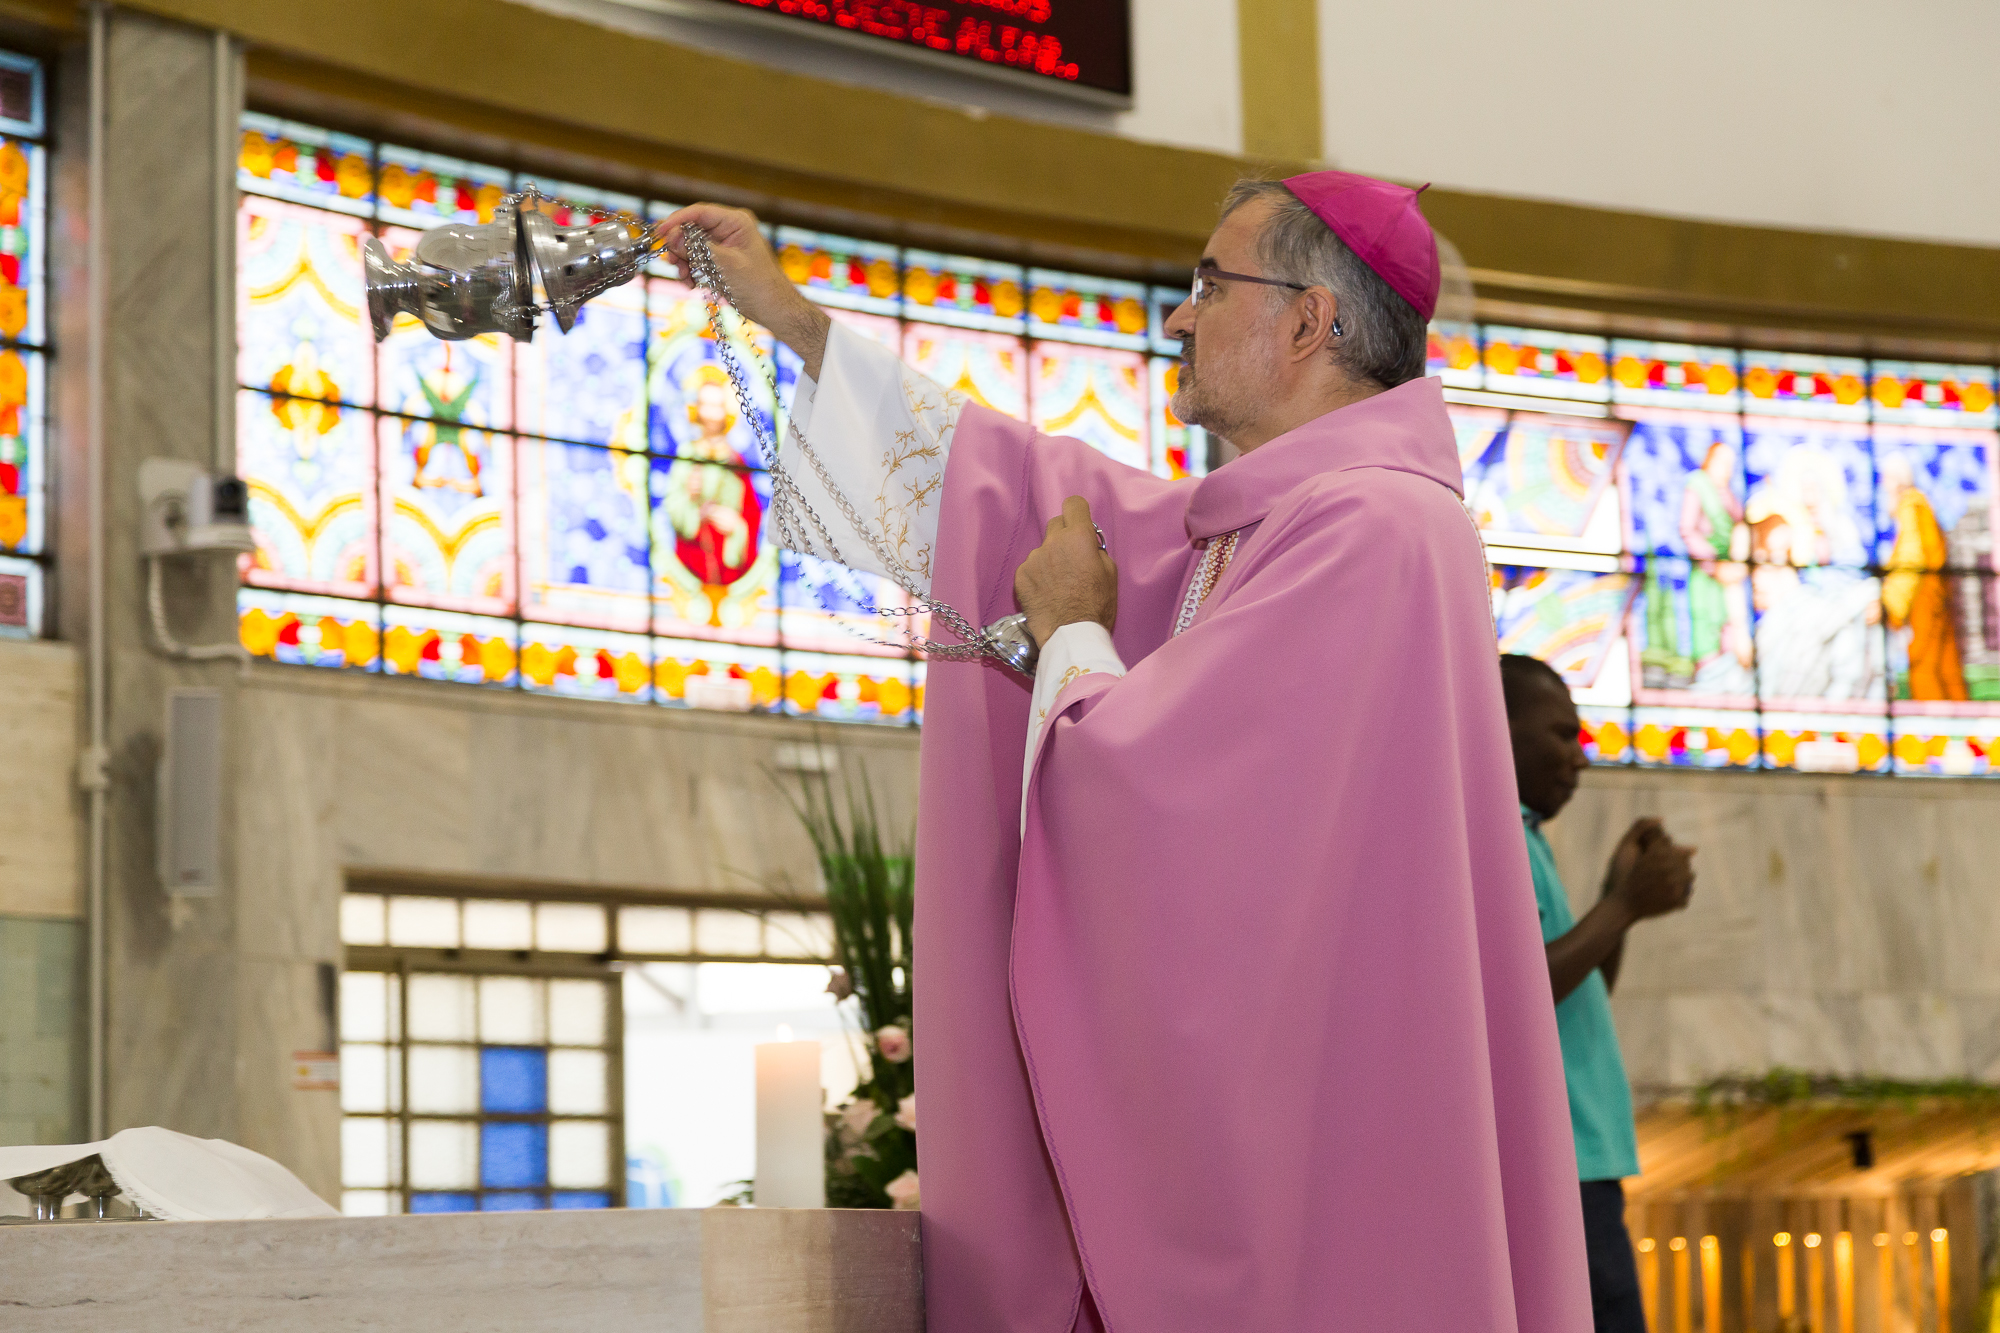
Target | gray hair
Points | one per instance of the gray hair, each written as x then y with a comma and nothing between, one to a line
1383,338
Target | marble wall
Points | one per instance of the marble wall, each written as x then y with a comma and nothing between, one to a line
40,870
1839,924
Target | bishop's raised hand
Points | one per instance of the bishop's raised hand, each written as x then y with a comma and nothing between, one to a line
758,286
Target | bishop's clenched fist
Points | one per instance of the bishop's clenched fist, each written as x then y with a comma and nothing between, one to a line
1069,577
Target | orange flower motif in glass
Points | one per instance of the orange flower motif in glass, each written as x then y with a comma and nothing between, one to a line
1006,298
1046,305
1129,316
405,647
399,186
13,392
13,182
257,156
352,176
358,641
881,278
629,670
258,631
920,285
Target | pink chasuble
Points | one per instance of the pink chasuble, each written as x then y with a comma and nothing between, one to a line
1252,1029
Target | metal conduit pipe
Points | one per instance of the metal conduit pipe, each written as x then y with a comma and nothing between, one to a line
227,99
95,769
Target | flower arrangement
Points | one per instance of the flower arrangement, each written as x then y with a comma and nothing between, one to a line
871,1141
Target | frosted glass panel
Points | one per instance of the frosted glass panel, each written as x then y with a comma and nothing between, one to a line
440,1007
368,1203
444,1079
364,1078
797,935
444,1154
569,928
655,930
579,1154
576,1013
424,923
578,1082
510,1010
361,919
364,1006
729,934
367,1153
498,925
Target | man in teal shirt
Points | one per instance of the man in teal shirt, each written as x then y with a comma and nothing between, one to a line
1648,876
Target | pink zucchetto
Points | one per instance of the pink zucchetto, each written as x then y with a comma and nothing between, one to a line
1381,224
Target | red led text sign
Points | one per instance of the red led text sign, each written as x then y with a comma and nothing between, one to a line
1082,43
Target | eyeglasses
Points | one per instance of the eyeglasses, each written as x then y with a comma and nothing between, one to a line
1205,280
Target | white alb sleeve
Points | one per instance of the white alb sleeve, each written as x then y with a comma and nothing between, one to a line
882,431
1075,649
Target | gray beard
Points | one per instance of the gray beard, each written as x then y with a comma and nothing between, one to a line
1201,410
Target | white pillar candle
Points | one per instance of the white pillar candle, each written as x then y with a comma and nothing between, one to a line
791,1161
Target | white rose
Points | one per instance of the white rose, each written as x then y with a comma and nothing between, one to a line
902,1191
893,1044
906,1113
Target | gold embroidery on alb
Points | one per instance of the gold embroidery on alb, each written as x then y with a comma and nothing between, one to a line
913,471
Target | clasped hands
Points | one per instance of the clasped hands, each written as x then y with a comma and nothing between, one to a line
1650,874
1068,578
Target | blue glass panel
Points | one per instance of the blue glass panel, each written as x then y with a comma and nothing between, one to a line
513,1079
511,1203
589,383
443,1203
583,535
581,1199
513,1156
1684,485
831,608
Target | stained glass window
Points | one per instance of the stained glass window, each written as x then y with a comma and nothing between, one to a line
1739,556
1790,561
24,349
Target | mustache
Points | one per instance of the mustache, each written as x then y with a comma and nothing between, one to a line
1187,357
